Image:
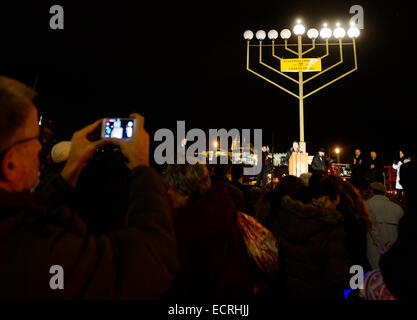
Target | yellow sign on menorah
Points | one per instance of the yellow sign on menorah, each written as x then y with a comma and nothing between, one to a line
297,65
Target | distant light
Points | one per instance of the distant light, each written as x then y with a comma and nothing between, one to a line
339,32
273,34
325,33
346,293
260,35
353,32
248,35
285,34
337,150
312,33
215,144
299,29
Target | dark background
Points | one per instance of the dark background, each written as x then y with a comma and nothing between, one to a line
185,60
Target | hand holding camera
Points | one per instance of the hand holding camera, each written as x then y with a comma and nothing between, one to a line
81,151
131,137
135,149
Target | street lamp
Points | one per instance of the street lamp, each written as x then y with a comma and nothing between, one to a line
338,160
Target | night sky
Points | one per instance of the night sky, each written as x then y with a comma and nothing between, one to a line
185,60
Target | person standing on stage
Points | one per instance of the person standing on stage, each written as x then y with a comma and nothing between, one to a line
357,166
376,168
396,165
266,164
318,164
295,148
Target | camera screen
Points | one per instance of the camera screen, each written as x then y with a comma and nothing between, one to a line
118,128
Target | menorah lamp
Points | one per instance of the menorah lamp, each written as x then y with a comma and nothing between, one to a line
302,65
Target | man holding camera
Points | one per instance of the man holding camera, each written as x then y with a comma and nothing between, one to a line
40,231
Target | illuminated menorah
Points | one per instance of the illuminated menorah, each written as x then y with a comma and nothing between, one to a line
301,65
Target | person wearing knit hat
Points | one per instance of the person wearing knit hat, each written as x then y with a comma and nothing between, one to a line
378,188
60,151
385,215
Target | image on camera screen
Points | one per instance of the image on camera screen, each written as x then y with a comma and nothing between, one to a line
118,128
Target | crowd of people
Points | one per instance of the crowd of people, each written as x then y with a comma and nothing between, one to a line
364,169
122,230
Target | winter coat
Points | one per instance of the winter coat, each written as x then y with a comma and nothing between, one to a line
214,257
235,193
356,238
385,215
376,174
318,164
399,264
250,196
357,171
313,262
397,166
37,232
266,162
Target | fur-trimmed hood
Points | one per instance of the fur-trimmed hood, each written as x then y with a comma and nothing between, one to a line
314,257
298,221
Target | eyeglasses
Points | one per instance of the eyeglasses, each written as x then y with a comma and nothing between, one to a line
2,153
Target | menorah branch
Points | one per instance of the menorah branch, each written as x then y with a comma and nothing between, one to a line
288,49
273,69
273,50
340,77
331,67
327,50
312,48
262,77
